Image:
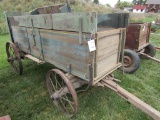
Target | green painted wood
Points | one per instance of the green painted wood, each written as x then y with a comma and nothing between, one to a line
70,21
9,14
39,21
51,9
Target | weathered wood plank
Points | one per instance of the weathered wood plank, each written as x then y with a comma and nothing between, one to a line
9,14
64,44
39,21
107,46
35,59
70,21
107,33
103,65
64,37
63,67
107,53
73,54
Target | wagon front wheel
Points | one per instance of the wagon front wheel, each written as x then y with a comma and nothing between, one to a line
62,92
14,57
131,61
150,50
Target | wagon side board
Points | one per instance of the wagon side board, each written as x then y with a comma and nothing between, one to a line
62,8
70,21
11,14
62,40
61,21
59,48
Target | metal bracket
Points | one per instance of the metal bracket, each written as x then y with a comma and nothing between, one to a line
69,68
80,31
33,33
29,45
91,74
41,45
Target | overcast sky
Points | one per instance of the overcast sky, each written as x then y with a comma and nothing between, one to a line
112,2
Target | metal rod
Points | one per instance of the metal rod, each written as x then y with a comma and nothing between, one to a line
80,31
152,58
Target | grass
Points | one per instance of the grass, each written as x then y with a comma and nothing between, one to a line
26,98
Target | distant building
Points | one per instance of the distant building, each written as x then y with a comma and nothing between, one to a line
139,8
128,9
153,6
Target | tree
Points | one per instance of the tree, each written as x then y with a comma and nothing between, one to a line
123,4
108,5
96,1
87,0
139,2
117,4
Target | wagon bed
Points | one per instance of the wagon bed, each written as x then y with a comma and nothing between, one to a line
62,40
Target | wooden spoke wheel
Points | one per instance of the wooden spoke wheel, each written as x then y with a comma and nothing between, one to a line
62,92
14,57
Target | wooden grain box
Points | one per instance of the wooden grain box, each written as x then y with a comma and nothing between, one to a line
62,40
137,36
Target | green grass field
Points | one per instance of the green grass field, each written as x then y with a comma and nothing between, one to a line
26,98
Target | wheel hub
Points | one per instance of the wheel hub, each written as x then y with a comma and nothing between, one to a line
127,61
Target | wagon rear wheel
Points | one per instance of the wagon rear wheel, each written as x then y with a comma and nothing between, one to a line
131,61
14,57
62,92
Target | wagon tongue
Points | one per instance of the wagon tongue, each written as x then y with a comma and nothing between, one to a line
131,98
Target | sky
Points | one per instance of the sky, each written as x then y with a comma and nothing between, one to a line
112,2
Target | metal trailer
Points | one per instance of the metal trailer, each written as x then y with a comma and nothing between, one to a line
137,46
64,39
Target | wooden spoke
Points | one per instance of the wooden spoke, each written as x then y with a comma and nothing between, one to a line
62,92
14,57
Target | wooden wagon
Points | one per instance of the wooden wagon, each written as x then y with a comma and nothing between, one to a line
137,44
85,48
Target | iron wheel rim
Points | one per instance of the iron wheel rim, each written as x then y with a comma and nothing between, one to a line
56,85
14,57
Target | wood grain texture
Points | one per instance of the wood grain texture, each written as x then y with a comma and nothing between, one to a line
137,35
107,53
70,21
